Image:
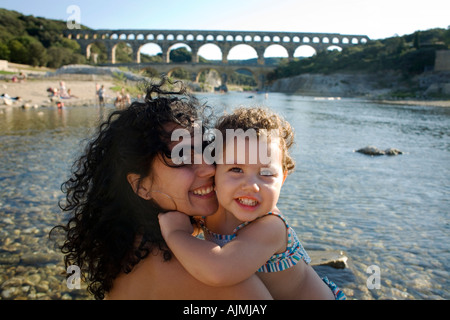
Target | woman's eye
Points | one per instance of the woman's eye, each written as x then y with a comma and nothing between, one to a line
181,160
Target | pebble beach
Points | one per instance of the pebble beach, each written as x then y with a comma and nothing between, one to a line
33,93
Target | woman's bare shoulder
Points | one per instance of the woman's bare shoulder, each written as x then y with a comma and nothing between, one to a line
156,279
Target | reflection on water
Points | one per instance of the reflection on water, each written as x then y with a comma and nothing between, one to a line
391,212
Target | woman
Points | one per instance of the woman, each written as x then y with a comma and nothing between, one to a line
125,178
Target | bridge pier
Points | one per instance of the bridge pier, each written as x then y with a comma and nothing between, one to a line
260,53
136,52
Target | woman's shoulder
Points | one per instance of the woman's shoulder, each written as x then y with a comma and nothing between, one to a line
153,278
156,279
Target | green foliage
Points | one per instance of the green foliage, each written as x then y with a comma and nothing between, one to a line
98,52
145,58
181,74
36,41
60,56
124,53
409,55
242,78
180,55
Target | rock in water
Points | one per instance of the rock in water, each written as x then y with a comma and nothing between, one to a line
392,152
371,151
374,151
328,258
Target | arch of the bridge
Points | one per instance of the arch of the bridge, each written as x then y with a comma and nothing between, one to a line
225,40
258,72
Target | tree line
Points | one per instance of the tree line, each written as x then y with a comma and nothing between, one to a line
409,55
36,41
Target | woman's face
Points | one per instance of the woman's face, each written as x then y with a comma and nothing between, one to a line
188,188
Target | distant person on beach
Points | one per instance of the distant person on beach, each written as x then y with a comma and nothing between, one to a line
123,99
69,95
120,184
248,233
22,77
62,90
118,103
53,92
101,96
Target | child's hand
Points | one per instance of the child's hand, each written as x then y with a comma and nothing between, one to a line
173,221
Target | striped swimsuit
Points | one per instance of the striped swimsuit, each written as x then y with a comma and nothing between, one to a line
279,261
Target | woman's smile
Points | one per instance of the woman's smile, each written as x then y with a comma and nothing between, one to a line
204,191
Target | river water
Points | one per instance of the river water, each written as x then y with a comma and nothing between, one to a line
388,214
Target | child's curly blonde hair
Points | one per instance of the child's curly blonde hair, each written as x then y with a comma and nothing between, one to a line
259,118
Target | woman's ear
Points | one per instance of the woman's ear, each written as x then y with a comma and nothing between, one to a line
138,187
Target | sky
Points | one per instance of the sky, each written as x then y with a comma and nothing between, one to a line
376,19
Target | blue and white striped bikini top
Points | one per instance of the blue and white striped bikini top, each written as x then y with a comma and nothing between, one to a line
279,261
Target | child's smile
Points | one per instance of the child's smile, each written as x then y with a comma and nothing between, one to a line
247,203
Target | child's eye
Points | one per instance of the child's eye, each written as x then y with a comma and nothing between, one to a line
236,169
266,172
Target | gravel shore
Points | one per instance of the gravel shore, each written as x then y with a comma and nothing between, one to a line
33,93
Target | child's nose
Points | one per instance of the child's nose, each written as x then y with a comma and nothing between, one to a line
250,185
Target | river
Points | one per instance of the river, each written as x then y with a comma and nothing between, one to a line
387,214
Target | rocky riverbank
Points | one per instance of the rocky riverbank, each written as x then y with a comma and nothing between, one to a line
428,88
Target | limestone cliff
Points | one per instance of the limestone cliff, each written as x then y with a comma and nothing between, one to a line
427,84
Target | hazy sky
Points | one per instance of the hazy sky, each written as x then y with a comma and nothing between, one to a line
376,19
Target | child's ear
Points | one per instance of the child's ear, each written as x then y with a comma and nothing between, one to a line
139,188
285,174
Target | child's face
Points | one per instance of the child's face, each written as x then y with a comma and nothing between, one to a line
250,189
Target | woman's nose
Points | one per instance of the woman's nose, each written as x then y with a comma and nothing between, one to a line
205,170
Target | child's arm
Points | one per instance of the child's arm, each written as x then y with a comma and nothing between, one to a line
227,265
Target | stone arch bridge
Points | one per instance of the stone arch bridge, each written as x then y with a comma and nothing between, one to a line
195,39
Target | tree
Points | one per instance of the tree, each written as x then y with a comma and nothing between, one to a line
59,56
180,55
18,52
37,54
4,51
417,39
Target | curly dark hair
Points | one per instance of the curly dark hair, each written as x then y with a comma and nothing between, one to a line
259,118
110,228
